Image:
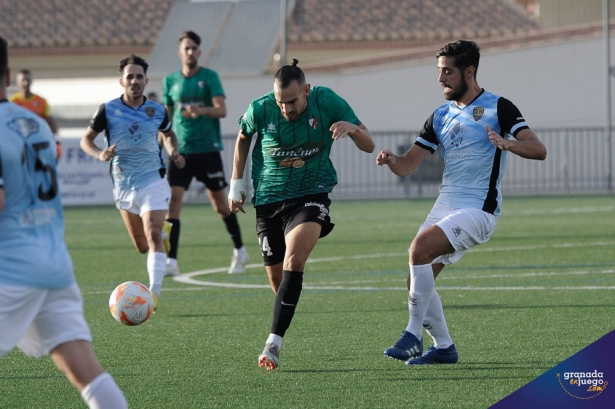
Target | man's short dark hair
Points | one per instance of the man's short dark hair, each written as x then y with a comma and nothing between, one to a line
289,73
4,56
25,71
465,53
191,35
134,60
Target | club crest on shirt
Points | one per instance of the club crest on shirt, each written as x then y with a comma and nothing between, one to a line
313,122
201,83
478,113
150,111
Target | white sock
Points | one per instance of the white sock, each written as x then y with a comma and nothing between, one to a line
421,288
171,262
435,323
103,393
156,266
274,339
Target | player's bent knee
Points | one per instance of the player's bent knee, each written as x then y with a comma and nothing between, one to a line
421,254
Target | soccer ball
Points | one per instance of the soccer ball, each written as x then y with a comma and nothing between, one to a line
131,303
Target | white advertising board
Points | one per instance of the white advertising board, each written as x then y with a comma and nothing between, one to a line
83,180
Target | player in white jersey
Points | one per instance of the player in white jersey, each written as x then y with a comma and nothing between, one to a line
132,124
475,130
41,309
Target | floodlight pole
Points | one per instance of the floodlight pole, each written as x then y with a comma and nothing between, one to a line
283,12
609,73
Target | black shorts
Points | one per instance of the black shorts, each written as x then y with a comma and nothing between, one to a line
205,167
275,220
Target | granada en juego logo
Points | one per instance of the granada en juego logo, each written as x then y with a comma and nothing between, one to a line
583,385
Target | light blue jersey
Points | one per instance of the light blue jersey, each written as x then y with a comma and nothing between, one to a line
473,166
32,248
138,155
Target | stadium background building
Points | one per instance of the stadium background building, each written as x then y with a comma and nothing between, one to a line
547,56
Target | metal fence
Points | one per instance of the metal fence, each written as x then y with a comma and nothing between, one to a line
579,160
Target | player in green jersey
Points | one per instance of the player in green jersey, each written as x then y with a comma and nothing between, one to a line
195,100
294,127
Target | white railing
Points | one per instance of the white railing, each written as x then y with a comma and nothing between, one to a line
577,162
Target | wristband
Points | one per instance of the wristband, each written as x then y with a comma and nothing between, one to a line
236,192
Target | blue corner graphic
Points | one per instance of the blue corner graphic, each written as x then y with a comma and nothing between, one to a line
586,380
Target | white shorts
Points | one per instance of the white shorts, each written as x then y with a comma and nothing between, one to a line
464,228
37,320
155,196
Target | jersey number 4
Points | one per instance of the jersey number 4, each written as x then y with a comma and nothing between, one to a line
265,246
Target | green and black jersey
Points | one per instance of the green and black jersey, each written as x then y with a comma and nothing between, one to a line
291,158
194,135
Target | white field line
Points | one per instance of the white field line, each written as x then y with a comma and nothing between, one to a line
188,278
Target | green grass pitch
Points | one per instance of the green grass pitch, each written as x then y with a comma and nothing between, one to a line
538,292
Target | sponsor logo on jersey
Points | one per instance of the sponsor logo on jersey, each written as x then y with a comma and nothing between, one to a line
455,134
295,156
24,126
135,131
478,113
185,104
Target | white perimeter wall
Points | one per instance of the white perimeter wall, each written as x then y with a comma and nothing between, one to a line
554,86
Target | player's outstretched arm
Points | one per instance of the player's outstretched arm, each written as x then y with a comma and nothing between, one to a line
405,164
90,148
526,144
169,141
359,134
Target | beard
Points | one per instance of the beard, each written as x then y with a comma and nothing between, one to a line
136,92
458,91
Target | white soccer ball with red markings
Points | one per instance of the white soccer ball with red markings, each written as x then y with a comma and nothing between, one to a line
131,303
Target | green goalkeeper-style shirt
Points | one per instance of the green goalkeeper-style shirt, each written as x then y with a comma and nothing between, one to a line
194,135
291,158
